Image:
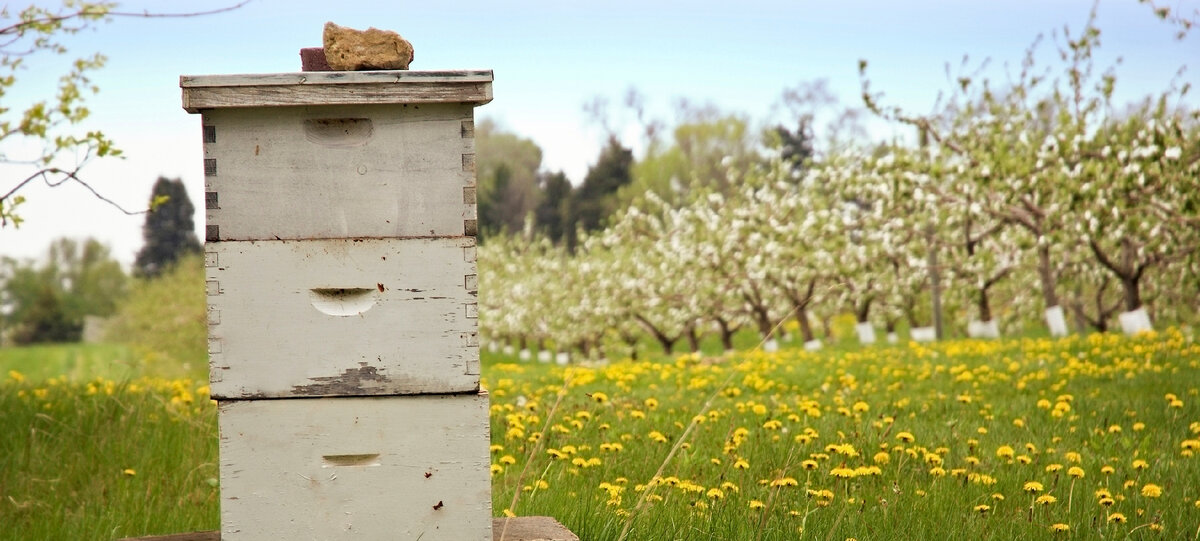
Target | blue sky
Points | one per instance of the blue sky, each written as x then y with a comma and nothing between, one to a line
549,59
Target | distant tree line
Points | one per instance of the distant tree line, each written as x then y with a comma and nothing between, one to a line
48,300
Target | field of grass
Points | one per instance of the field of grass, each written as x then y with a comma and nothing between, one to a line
1082,438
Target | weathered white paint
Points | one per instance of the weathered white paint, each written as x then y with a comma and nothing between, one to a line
340,172
362,468
1057,321
1135,321
812,345
866,332
562,358
342,317
525,354
983,329
201,92
923,334
544,355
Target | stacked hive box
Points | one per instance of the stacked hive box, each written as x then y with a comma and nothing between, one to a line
341,281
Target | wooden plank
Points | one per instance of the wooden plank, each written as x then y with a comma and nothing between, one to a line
342,317
518,529
201,92
338,172
367,468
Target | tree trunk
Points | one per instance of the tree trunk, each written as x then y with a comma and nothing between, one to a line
1132,292
693,338
935,282
727,331
985,306
862,312
1046,273
805,327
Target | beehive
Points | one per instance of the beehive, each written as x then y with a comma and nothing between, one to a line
341,285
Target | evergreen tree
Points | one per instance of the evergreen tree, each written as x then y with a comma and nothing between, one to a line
595,200
550,214
169,229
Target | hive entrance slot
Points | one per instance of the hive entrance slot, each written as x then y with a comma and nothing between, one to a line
343,301
339,132
332,461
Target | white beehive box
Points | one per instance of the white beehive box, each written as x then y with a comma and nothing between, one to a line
338,154
342,317
362,468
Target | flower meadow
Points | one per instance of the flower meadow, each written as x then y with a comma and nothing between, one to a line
1085,437
1079,438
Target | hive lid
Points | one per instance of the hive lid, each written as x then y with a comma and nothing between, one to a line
335,88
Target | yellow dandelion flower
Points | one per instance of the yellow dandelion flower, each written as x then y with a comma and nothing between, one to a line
981,509
496,468
809,464
599,397
129,472
1072,456
1054,468
1107,470
905,437
842,472
1059,527
650,403
508,460
1032,487
1117,518
741,464
997,496
881,458
1140,464
1005,452
1151,490
715,494
756,504
1045,499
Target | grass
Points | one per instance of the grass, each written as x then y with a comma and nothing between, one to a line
903,442
76,362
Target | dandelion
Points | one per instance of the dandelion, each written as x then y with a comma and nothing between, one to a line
1117,518
715,494
842,472
650,403
1032,487
809,464
1107,470
741,464
981,509
1140,464
129,472
1151,490
508,460
1005,452
756,504
657,436
1045,499
1054,468
997,496
881,458
1059,527
905,437
599,397
1075,472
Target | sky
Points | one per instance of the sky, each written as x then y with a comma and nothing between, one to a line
550,58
